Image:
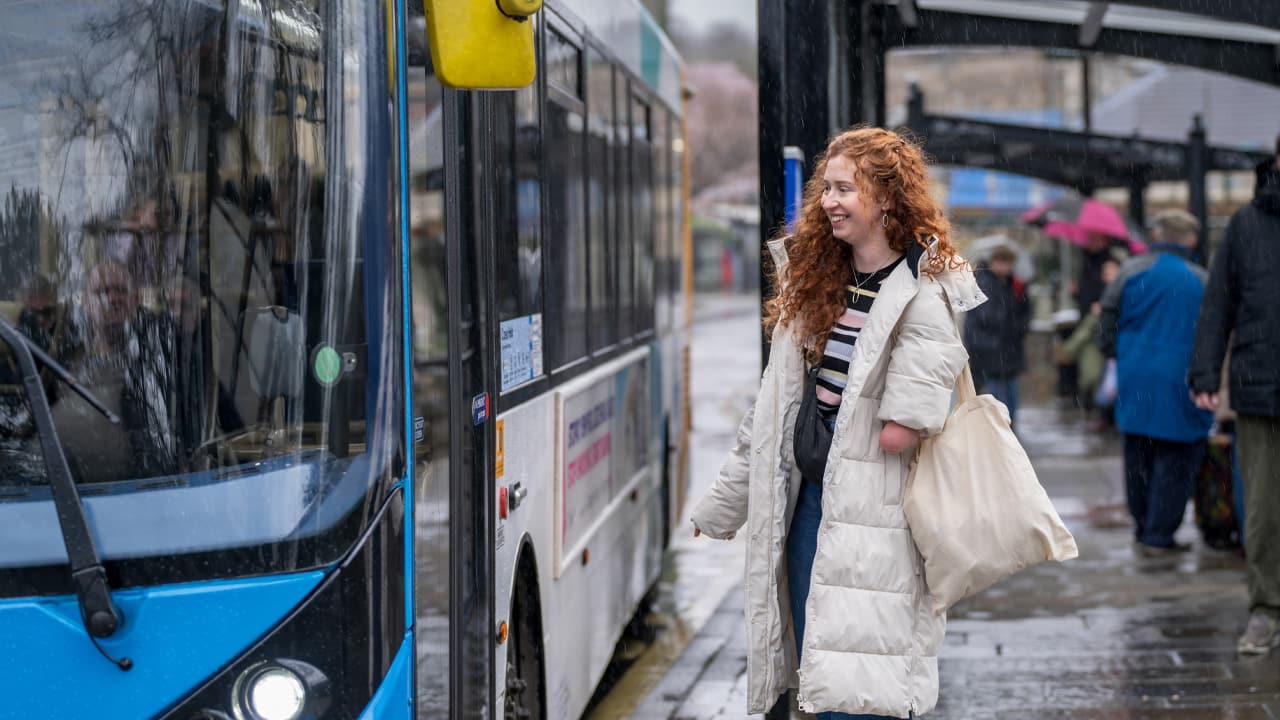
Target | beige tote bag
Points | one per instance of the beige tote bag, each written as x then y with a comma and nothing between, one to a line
975,507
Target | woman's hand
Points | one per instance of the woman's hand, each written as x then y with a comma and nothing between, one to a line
697,532
895,438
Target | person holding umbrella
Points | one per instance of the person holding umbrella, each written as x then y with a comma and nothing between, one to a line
1099,249
1100,232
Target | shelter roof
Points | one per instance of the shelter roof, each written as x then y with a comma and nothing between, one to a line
1160,106
1237,37
1073,159
1245,20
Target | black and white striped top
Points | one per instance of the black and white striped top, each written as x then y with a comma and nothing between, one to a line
834,373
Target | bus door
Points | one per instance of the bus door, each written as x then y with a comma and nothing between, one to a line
451,394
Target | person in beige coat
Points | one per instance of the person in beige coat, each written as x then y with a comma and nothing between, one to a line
864,345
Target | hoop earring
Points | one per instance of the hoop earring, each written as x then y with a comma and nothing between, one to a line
884,219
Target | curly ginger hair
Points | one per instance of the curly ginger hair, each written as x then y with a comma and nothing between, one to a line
811,287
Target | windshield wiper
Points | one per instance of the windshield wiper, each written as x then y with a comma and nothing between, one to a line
98,612
64,375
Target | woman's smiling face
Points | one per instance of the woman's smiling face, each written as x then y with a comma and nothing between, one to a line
852,212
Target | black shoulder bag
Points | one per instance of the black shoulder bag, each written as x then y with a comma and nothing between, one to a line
812,437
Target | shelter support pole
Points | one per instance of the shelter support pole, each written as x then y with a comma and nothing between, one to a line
1086,93
872,67
771,43
865,62
794,56
1137,197
807,78
861,105
915,110
1197,169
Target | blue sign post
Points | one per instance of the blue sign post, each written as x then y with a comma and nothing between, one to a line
793,169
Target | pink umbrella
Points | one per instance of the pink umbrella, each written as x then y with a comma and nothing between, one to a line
1072,219
1052,210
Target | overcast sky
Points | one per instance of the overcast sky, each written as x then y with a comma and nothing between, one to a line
701,14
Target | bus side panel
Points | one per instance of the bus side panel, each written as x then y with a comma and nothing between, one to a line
609,548
525,454
592,516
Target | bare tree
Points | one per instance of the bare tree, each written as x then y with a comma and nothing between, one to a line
722,42
27,223
722,124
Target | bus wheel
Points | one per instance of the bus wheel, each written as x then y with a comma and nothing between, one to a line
525,696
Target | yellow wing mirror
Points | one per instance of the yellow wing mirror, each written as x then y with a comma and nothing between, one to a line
482,44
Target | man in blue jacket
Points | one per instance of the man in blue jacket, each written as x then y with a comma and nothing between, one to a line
1148,325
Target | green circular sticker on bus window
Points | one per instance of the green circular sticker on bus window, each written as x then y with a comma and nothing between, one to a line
327,365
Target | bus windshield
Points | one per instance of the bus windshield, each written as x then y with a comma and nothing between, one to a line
190,223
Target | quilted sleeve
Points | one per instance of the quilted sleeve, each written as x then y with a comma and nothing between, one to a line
924,362
724,508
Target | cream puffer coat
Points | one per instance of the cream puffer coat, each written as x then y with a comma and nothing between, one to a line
871,640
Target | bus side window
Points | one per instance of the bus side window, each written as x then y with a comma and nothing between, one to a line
601,202
623,201
642,213
518,206
663,248
568,306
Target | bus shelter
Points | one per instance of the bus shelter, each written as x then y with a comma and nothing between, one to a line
822,68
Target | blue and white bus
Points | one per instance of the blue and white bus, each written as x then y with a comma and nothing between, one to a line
326,390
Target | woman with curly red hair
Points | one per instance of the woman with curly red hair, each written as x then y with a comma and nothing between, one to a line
864,360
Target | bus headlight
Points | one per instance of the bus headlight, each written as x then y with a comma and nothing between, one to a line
280,690
276,694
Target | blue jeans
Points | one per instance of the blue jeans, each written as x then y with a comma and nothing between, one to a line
802,544
1004,389
1159,477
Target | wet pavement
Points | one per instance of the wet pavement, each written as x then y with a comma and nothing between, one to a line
1106,636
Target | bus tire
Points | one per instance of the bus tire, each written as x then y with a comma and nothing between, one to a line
525,697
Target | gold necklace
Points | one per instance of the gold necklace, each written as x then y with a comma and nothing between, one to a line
860,285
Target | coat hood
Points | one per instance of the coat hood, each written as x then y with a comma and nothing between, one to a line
960,285
1267,191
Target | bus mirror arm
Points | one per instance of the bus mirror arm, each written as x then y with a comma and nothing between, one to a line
98,612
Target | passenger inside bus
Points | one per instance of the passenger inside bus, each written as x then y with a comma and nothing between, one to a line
39,316
122,354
